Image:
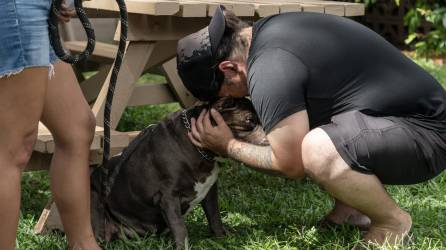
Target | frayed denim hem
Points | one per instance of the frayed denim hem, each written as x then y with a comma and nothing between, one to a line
9,73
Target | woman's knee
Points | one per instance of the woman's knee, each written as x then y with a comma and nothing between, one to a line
19,149
318,155
79,134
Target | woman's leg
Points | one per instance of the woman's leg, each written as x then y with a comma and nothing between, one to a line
21,105
70,120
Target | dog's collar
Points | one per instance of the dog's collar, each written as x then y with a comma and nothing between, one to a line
187,125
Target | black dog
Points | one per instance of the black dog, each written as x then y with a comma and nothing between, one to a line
161,176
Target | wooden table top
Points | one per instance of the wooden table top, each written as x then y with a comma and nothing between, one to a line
245,8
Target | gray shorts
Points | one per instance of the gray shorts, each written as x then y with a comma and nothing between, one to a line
383,146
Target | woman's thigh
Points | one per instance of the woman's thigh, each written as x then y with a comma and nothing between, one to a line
66,112
21,105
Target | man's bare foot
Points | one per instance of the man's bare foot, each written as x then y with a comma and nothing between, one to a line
392,233
344,214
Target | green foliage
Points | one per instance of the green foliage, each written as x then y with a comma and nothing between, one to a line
137,118
432,11
434,42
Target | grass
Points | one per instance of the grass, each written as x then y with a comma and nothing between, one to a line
259,211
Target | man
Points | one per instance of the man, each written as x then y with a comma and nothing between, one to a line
337,102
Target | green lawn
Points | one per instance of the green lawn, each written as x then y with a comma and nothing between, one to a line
259,211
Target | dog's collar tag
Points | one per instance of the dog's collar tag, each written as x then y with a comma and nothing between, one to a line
187,125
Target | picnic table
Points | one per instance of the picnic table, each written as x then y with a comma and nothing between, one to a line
155,26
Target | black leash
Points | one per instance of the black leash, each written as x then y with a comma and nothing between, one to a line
72,59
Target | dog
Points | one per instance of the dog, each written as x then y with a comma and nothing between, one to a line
161,176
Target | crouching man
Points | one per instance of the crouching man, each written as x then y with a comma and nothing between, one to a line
337,101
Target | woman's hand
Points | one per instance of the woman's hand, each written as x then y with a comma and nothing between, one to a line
204,135
66,12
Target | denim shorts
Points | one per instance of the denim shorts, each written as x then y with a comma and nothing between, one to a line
24,36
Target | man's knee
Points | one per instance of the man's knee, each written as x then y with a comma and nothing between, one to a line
319,155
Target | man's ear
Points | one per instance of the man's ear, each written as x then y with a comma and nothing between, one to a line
227,67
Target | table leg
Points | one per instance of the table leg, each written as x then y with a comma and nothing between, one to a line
49,219
185,98
92,86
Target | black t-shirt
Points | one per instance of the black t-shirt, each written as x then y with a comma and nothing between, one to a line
328,65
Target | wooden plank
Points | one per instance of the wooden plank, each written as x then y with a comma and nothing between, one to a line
162,28
42,161
134,61
290,7
354,9
92,86
117,139
162,52
264,10
312,8
335,10
330,7
212,6
239,8
96,144
45,141
101,50
185,98
49,219
148,7
43,137
192,9
151,94
284,6
93,12
50,145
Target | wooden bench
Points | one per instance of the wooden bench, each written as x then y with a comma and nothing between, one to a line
103,52
44,148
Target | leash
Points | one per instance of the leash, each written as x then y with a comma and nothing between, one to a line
73,59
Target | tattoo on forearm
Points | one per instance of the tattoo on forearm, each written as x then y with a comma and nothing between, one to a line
256,156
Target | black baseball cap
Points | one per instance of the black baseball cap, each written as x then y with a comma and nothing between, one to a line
196,58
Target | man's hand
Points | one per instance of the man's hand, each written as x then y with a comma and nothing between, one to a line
66,12
204,135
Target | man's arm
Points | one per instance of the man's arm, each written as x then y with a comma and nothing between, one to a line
284,153
257,156
282,156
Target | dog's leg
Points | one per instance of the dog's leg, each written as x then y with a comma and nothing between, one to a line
210,207
171,210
